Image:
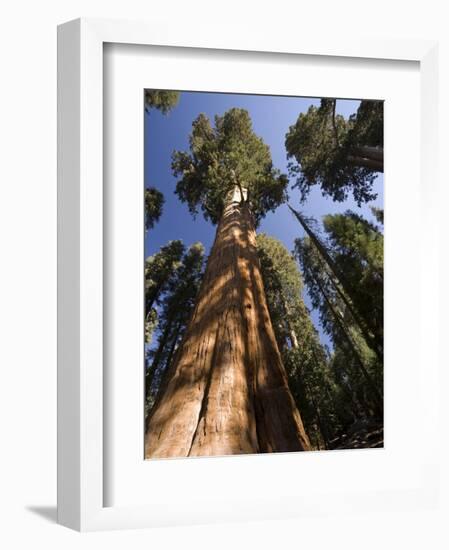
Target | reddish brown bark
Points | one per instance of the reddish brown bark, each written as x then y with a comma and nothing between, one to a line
227,391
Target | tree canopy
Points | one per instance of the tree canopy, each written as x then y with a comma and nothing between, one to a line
223,157
159,268
306,360
162,100
282,281
340,155
234,361
342,316
357,248
154,202
175,308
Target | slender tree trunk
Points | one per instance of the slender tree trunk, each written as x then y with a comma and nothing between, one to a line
158,355
290,329
175,339
345,333
321,425
227,390
152,296
368,330
295,344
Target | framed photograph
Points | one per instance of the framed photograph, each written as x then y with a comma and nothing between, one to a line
234,309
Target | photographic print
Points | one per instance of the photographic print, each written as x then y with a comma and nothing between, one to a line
263,274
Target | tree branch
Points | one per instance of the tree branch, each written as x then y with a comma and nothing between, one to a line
334,124
209,211
242,196
375,165
372,153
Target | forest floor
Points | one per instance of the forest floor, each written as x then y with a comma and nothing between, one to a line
361,435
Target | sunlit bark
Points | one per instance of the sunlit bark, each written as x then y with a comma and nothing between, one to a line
226,391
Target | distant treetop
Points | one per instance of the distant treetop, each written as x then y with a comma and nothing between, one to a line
154,202
163,100
222,158
337,154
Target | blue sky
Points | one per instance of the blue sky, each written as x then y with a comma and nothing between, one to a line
271,116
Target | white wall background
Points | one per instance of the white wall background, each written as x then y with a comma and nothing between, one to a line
28,269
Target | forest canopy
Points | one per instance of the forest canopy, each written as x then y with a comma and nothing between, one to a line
224,156
264,318
340,155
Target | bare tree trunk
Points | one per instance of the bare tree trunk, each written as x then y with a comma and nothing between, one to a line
373,153
227,391
365,162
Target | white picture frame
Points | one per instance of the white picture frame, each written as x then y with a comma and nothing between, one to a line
81,475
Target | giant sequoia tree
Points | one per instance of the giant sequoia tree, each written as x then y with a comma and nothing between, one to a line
226,390
339,155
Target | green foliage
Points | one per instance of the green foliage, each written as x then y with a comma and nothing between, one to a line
319,283
341,282
367,125
163,100
305,359
175,308
151,321
357,249
378,213
352,397
159,268
326,150
282,282
356,252
223,157
154,202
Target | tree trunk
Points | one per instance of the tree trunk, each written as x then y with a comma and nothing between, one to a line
290,329
158,355
322,428
373,153
295,344
227,390
365,162
174,342
152,297
345,333
368,330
